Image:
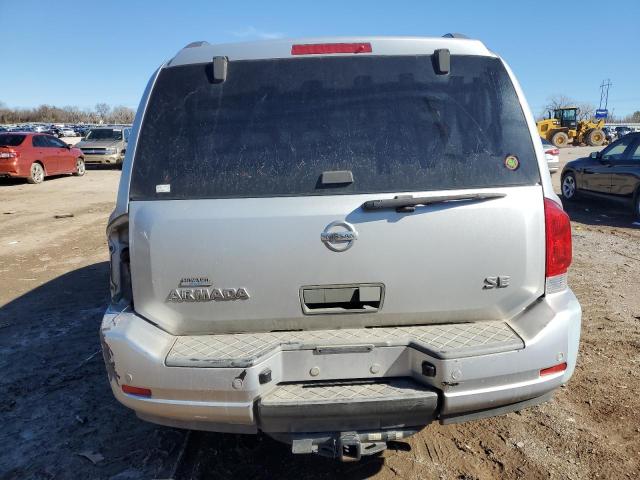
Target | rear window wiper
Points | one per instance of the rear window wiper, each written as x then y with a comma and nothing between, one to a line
407,203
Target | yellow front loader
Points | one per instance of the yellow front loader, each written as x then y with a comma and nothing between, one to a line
563,127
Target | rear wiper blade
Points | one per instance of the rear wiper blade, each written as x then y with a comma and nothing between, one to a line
407,203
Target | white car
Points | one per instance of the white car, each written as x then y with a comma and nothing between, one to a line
68,132
552,154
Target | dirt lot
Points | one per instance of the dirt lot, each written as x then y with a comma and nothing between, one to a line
61,421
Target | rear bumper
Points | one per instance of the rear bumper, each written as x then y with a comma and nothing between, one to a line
11,168
468,383
366,405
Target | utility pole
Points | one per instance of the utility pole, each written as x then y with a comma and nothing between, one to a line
604,94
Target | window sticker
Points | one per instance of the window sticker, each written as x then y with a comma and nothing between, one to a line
511,162
163,188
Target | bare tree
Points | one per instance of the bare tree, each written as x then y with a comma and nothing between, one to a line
633,118
611,117
559,101
73,114
90,116
67,114
586,111
121,114
102,109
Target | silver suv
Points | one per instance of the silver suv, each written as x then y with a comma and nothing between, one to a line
336,242
105,145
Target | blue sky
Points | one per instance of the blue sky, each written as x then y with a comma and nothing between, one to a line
81,53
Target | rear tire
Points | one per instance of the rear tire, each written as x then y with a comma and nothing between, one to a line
636,205
595,137
560,139
80,168
569,187
36,173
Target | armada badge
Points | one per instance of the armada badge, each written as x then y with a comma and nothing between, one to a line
200,289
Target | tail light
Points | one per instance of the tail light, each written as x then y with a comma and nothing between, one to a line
553,151
118,240
9,154
558,246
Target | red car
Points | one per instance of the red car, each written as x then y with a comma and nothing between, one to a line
34,156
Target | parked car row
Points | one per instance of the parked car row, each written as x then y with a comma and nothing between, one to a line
614,133
55,130
33,155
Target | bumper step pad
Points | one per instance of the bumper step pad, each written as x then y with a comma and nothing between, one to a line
347,405
245,349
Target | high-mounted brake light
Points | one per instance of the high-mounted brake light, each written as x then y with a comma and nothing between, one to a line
561,367
140,391
558,239
327,48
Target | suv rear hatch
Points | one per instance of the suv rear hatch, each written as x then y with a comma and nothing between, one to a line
246,198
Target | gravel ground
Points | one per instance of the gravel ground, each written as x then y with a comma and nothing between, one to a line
61,421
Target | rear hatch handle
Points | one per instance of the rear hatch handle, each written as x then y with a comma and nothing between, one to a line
408,203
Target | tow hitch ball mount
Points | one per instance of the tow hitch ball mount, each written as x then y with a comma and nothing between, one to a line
347,446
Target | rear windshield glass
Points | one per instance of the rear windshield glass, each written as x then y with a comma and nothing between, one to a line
11,139
274,126
105,134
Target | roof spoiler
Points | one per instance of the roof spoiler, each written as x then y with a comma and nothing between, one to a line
442,57
199,43
455,35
